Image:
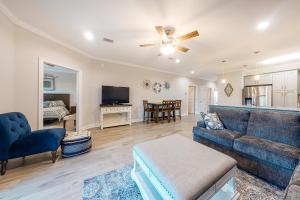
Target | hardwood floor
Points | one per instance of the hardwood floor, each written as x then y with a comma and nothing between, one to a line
37,178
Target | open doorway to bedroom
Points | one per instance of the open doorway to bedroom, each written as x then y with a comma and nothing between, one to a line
59,97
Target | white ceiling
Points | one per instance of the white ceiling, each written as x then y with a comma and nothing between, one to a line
227,30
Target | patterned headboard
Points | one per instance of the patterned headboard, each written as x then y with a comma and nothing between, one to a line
55,97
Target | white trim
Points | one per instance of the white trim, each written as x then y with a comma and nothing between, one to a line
195,98
14,19
41,92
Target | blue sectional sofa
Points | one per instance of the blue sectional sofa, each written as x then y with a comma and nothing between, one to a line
17,139
265,143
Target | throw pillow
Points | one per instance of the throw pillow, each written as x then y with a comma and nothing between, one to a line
212,121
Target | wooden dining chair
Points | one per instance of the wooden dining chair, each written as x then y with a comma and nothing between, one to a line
168,107
178,107
147,110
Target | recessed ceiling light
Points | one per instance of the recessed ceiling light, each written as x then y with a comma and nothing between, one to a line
177,60
192,72
281,59
89,36
263,25
256,52
223,61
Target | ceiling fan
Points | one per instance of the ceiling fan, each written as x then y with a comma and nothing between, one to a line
168,42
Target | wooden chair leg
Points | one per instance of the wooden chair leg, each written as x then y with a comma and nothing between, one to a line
65,123
54,156
180,114
3,166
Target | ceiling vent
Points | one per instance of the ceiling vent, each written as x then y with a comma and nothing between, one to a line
108,40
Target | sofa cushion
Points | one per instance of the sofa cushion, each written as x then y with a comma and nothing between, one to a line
232,119
223,138
37,142
275,126
279,154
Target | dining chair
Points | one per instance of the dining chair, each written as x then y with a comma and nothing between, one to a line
178,107
168,107
148,110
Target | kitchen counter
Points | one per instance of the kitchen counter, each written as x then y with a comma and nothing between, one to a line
276,109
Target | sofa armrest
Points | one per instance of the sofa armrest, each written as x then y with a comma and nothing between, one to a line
201,124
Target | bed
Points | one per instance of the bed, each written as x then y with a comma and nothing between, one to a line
55,106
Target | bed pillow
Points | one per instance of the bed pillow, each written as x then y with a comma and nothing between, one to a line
60,103
212,121
56,103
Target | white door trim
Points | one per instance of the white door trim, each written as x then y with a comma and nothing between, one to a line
41,92
195,99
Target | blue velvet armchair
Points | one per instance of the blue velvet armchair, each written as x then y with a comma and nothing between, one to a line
17,139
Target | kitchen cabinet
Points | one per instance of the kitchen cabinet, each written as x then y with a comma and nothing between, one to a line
264,79
285,89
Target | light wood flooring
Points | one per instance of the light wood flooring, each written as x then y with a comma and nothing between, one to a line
37,178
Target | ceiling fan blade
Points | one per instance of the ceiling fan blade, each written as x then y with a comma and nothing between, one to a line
183,49
160,30
188,36
148,45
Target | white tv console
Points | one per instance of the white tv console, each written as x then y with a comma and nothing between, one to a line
115,115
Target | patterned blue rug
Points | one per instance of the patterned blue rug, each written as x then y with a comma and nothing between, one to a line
118,185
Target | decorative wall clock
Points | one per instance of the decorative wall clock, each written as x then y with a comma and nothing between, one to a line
156,87
147,84
167,85
228,89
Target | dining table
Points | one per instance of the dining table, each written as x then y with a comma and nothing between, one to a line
157,106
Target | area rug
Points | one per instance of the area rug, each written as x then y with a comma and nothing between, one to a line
118,185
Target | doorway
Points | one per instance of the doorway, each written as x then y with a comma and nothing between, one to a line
191,99
59,97
205,98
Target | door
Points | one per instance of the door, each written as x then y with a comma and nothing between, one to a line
204,99
278,81
291,97
191,96
249,80
278,98
291,80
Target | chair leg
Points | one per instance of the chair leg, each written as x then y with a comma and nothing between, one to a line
3,166
180,114
54,156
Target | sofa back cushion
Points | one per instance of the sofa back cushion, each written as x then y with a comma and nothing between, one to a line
233,119
275,126
13,126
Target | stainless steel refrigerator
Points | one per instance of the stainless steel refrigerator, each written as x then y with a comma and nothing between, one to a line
260,95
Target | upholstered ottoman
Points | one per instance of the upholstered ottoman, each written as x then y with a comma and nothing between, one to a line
175,167
76,143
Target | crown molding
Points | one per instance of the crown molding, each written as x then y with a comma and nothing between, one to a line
15,20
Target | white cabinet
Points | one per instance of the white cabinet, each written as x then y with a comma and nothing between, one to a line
291,98
264,79
115,115
278,98
285,88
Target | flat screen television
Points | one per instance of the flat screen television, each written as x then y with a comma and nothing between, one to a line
115,95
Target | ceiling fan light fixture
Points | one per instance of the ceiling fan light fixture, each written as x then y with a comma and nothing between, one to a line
167,49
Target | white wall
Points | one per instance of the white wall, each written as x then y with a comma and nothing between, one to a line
236,80
7,52
65,83
29,47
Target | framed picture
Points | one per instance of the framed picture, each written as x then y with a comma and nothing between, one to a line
49,84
